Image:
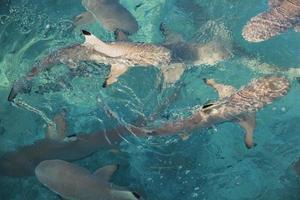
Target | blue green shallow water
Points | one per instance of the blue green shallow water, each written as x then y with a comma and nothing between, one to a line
211,164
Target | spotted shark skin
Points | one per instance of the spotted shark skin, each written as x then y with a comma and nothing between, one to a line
282,16
119,55
74,182
238,106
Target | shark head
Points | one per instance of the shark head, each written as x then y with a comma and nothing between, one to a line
74,182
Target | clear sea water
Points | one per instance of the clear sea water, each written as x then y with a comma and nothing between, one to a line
212,164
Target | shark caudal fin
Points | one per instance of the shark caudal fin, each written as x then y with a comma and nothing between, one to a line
116,70
247,122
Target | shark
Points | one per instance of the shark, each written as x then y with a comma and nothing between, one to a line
234,105
111,15
297,167
74,182
58,145
120,56
282,16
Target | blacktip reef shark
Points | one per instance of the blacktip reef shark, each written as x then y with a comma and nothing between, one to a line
57,145
282,16
76,183
119,55
234,105
111,15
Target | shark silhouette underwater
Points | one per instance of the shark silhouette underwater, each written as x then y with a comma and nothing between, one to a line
57,145
111,15
233,106
282,16
119,55
73,182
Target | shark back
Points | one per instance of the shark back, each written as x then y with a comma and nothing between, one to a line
281,17
257,94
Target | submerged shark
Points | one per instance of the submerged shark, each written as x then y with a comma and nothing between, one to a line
234,105
77,183
282,16
111,14
56,145
119,55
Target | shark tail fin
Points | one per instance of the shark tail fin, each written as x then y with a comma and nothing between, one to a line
248,123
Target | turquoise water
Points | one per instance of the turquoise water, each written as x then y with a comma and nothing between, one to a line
211,164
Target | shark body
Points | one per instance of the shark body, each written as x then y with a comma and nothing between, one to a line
77,183
119,55
56,145
234,105
282,16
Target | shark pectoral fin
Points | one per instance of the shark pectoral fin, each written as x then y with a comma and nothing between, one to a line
106,172
84,18
223,90
248,123
115,72
59,129
172,73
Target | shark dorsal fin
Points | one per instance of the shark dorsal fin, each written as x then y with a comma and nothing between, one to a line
223,90
106,172
95,43
248,122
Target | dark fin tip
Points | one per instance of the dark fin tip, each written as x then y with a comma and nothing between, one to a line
85,32
137,195
207,105
204,80
104,85
162,28
70,136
